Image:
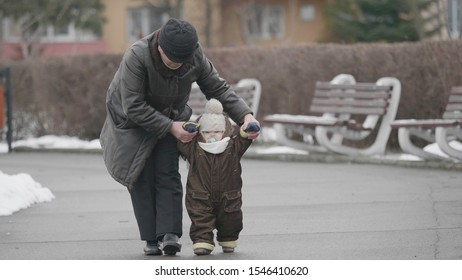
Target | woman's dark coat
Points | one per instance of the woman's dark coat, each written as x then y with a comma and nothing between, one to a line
145,97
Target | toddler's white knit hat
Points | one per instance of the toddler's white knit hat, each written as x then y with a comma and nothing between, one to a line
213,118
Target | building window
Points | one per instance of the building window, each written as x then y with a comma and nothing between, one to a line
59,34
143,21
62,31
307,13
265,22
454,18
11,32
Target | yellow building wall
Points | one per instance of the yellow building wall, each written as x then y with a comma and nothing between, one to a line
195,11
114,31
301,31
295,30
225,22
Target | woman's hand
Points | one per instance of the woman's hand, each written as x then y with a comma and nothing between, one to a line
180,133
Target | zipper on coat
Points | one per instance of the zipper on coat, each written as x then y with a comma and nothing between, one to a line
214,181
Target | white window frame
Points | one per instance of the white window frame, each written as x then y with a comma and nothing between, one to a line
265,22
454,18
50,35
144,27
307,13
7,31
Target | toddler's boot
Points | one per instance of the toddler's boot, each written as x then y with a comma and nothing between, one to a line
202,248
228,246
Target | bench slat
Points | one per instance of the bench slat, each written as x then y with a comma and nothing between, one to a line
456,90
307,123
354,94
454,107
455,98
425,123
452,115
348,110
357,87
313,121
381,103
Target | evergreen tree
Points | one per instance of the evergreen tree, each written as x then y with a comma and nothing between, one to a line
380,20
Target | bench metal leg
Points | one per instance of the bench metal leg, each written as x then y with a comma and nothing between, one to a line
281,138
443,138
404,139
334,144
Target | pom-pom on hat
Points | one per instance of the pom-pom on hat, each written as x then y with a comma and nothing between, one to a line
178,39
213,118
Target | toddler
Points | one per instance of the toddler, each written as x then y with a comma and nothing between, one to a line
213,188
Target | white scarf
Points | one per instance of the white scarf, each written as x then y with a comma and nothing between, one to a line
215,147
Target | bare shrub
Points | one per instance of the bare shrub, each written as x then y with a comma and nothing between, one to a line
66,96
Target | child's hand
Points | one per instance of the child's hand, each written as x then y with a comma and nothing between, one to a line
251,127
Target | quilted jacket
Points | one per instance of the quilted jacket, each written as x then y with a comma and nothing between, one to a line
145,97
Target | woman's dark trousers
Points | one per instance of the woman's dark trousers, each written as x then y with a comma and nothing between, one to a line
157,195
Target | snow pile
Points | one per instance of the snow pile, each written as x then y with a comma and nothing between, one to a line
435,149
57,142
20,191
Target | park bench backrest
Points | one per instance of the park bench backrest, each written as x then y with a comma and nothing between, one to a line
247,89
357,99
454,106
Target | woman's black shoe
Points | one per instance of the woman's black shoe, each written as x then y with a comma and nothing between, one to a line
152,248
171,244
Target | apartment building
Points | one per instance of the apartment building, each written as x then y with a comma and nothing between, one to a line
220,23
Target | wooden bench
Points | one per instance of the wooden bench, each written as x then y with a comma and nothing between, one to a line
350,112
442,131
248,89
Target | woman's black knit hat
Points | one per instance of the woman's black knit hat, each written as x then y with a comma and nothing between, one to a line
178,39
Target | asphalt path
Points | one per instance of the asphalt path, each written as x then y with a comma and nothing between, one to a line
292,211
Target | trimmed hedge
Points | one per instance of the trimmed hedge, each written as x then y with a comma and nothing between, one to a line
66,96
61,96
